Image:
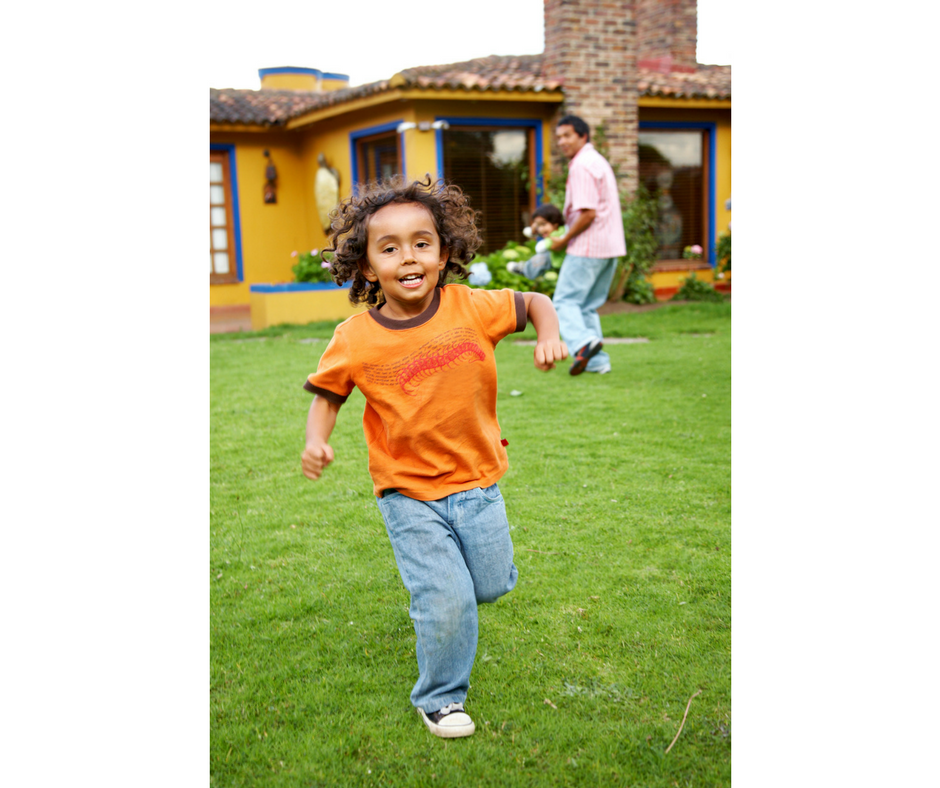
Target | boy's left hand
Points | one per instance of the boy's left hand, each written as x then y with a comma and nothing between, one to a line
547,352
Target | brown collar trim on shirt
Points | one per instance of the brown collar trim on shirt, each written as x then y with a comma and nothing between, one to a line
411,322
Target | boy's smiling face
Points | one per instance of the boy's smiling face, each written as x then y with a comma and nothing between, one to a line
404,256
541,226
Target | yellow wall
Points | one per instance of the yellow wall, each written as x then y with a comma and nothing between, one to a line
668,280
333,84
272,309
269,233
289,81
331,138
301,81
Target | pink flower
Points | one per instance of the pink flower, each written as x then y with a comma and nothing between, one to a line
314,252
294,253
696,249
324,264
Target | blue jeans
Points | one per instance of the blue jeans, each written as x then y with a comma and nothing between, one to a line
452,554
583,286
537,265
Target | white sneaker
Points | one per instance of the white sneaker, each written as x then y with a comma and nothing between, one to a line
602,371
516,268
451,722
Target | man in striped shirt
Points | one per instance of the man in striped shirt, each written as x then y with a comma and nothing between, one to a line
593,243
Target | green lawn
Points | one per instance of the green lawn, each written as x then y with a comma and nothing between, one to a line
619,500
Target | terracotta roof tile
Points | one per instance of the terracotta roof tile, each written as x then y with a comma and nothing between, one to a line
496,72
713,82
267,107
276,107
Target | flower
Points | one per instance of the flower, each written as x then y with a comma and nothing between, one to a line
696,249
480,275
324,264
314,252
294,253
693,252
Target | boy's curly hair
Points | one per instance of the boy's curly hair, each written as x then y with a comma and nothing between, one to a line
453,217
549,213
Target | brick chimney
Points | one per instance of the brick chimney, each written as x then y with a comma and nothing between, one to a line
590,47
666,32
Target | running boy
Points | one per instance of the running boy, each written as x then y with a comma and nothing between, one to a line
423,358
548,223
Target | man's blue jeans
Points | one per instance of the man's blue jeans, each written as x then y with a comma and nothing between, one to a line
583,287
452,554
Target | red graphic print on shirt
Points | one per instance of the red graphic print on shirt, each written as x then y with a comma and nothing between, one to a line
446,351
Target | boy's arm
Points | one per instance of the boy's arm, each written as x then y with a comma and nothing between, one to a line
320,422
541,313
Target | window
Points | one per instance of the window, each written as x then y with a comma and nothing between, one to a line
492,164
375,153
378,157
674,165
223,258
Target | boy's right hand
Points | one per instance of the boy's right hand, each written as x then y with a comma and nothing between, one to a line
315,458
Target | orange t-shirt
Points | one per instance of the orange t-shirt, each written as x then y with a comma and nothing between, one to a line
430,388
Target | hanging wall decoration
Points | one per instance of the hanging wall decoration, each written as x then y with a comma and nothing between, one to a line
326,191
270,185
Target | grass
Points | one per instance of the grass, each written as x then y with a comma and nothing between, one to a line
618,494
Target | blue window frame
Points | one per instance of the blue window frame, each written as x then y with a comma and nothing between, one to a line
709,183
231,227
518,123
498,163
370,150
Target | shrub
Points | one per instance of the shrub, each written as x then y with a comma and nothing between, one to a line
514,252
311,267
638,290
723,251
639,228
694,289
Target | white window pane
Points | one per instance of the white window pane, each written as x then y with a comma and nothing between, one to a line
215,172
681,148
217,216
220,260
219,239
211,268
216,195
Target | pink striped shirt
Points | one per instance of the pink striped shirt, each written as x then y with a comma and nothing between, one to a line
592,184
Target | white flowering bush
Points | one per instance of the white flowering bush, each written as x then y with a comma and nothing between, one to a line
501,277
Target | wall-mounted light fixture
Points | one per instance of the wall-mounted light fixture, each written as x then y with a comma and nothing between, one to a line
270,186
424,125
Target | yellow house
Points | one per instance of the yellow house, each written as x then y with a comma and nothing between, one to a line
486,124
